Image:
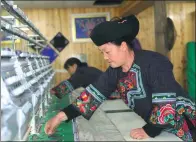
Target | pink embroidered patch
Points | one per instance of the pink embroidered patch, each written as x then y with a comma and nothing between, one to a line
165,111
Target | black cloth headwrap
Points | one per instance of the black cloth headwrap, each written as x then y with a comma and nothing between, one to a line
111,30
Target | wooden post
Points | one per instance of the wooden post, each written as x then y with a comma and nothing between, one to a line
160,17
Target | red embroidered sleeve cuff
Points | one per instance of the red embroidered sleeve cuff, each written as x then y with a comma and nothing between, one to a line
88,101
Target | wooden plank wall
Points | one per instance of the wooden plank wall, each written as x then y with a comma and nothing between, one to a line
51,21
183,15
126,5
146,33
134,6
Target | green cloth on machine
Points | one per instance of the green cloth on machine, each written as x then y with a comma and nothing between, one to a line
64,131
190,69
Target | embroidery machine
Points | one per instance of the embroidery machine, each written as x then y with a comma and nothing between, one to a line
25,83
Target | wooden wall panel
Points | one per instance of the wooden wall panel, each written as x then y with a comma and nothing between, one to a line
51,21
146,33
134,6
126,5
183,14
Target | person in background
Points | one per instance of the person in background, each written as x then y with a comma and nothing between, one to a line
144,80
81,76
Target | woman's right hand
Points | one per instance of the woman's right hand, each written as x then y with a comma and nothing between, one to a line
54,122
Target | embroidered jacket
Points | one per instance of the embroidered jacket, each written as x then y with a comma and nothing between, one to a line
149,88
81,78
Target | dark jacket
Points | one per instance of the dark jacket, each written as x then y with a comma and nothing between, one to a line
83,76
149,82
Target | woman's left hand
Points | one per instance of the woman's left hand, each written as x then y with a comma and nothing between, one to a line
138,133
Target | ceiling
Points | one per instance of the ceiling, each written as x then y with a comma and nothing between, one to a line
57,4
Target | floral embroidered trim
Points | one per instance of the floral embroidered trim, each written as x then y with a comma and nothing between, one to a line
163,113
140,91
131,87
62,89
88,101
184,107
96,94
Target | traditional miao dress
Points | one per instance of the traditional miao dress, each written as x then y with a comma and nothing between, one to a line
150,89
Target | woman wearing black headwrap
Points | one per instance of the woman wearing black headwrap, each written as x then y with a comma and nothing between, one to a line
144,80
81,76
